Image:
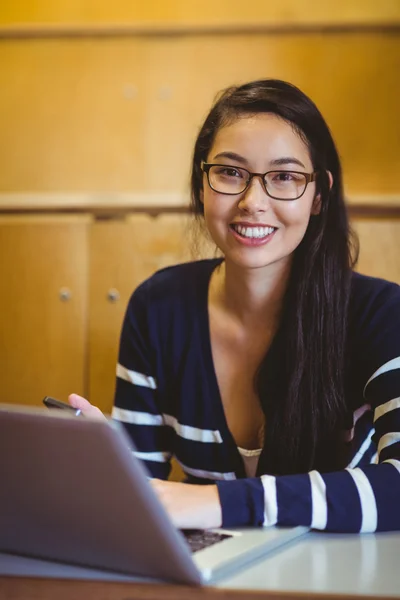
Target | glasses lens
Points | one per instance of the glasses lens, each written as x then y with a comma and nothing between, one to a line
285,185
228,180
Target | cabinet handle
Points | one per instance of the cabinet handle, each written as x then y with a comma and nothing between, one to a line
65,294
113,295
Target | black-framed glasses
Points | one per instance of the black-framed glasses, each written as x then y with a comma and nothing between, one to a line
278,184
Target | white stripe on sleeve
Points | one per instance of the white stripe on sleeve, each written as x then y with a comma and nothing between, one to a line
136,417
136,378
193,433
369,512
270,500
319,517
374,459
387,440
391,365
386,407
363,449
160,457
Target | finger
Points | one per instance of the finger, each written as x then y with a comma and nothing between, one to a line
79,402
84,405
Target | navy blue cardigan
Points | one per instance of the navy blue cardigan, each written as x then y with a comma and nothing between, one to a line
167,396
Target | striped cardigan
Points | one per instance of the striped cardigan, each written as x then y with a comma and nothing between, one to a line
167,397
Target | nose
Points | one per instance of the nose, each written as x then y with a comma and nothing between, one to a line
255,198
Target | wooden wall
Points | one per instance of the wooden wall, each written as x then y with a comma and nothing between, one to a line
197,13
95,97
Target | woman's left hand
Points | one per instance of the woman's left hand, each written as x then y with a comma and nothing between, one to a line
189,506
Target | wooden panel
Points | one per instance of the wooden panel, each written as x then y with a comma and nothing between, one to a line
379,247
121,256
121,115
41,588
42,337
119,204
198,12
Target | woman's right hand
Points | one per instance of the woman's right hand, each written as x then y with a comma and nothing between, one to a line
88,410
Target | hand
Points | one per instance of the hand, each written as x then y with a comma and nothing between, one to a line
189,506
88,410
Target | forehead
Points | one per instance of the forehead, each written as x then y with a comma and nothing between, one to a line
260,138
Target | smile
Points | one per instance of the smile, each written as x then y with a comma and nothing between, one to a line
252,232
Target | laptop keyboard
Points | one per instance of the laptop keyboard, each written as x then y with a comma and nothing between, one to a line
197,539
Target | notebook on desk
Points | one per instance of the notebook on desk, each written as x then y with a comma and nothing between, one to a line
74,493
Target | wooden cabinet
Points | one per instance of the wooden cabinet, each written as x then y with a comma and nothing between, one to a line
65,282
122,255
64,285
379,247
43,306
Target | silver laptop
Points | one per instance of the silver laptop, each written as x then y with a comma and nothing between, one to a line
72,491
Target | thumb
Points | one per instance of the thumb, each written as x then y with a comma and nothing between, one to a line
87,409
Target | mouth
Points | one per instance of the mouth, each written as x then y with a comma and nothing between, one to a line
256,233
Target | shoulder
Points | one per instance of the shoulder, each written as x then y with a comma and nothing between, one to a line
374,322
373,300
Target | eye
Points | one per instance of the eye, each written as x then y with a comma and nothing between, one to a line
283,176
226,171
286,177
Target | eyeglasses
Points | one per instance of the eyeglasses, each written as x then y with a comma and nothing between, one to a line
280,185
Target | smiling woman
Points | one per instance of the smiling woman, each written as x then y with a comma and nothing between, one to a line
245,208
273,373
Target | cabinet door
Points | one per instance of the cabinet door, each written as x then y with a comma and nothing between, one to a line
122,255
379,247
43,306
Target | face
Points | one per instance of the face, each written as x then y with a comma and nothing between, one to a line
252,229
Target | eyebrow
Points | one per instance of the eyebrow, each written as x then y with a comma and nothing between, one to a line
287,160
231,156
277,162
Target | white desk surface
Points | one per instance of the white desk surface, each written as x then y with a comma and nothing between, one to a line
367,564
317,563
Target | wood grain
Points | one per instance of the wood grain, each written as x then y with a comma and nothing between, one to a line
121,115
198,13
42,338
122,255
12,588
379,247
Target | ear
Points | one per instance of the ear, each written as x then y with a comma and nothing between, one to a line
202,196
316,207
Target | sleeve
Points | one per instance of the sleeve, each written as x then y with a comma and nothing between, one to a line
361,499
136,402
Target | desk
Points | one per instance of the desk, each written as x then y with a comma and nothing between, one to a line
318,565
322,563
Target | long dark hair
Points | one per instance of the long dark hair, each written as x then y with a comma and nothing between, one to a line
304,412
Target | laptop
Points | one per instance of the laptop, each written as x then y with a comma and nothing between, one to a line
73,492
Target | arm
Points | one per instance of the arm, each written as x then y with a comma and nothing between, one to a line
364,498
353,500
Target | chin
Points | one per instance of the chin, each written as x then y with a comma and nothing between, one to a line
255,262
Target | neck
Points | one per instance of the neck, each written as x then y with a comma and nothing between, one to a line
253,296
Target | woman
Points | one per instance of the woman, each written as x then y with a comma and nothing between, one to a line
273,374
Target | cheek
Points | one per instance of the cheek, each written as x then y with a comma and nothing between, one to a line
296,213
216,208
210,213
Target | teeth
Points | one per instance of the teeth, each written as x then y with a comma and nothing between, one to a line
253,232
